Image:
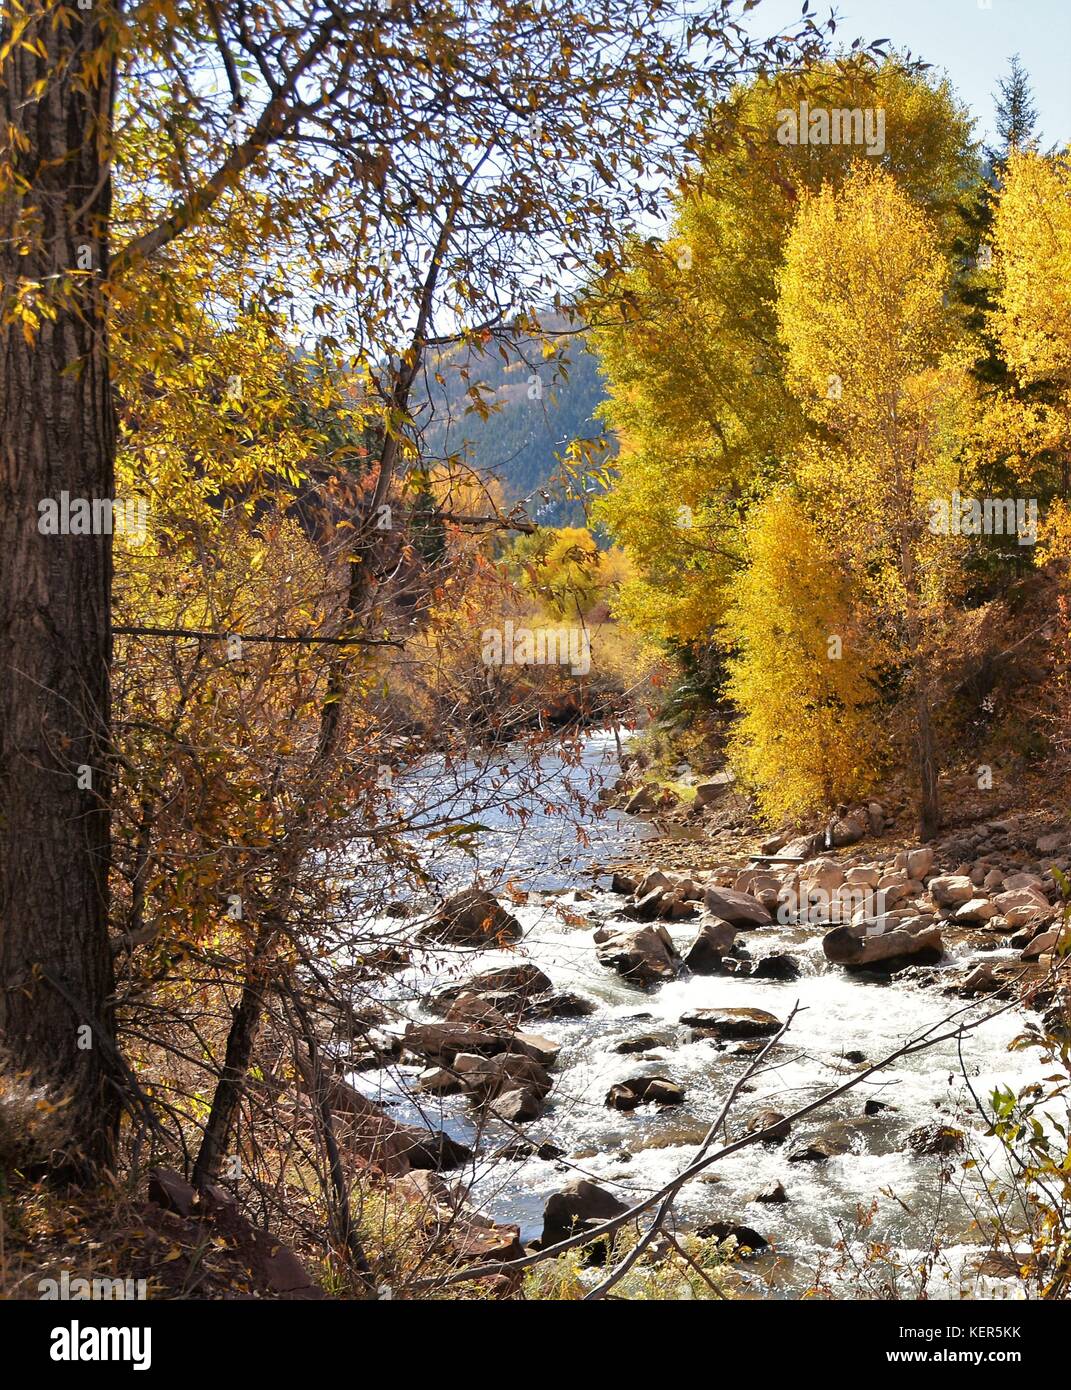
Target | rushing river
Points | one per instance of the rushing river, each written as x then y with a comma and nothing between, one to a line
634,1153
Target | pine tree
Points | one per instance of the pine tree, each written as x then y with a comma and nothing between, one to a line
1016,113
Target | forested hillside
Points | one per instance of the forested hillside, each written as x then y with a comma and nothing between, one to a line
535,406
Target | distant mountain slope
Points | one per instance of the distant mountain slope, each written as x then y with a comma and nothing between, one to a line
538,406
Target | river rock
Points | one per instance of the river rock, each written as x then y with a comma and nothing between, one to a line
652,882
1050,844
642,799
486,1077
774,1194
981,980
1026,906
950,890
644,1090
579,1206
472,918
479,1012
1043,942
772,1120
439,1081
710,792
517,1107
523,979
802,847
441,1042
820,876
647,908
747,1240
777,966
919,862
974,911
855,947
817,1151
1025,880
714,940
850,829
644,1043
563,1004
740,910
433,1149
645,956
534,1045
936,1139
676,907
732,1024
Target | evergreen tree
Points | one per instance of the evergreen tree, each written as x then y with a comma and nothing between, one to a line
1016,113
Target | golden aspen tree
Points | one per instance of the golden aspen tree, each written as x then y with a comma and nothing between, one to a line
688,336
868,338
1032,321
801,673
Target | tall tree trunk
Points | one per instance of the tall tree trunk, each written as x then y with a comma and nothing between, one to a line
57,434
929,802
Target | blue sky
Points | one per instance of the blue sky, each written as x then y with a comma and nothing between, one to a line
971,43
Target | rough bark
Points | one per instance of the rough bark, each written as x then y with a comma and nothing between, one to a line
57,433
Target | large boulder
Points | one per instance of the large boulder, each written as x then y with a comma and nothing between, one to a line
578,1207
473,917
486,1077
714,940
1044,941
441,1042
1023,907
855,946
850,829
643,799
732,1024
740,910
710,792
950,890
523,981
563,1004
444,1042
536,1046
645,956
802,847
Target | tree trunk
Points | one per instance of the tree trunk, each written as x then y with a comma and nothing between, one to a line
929,802
241,1039
57,434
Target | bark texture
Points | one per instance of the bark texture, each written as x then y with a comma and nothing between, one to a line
57,434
